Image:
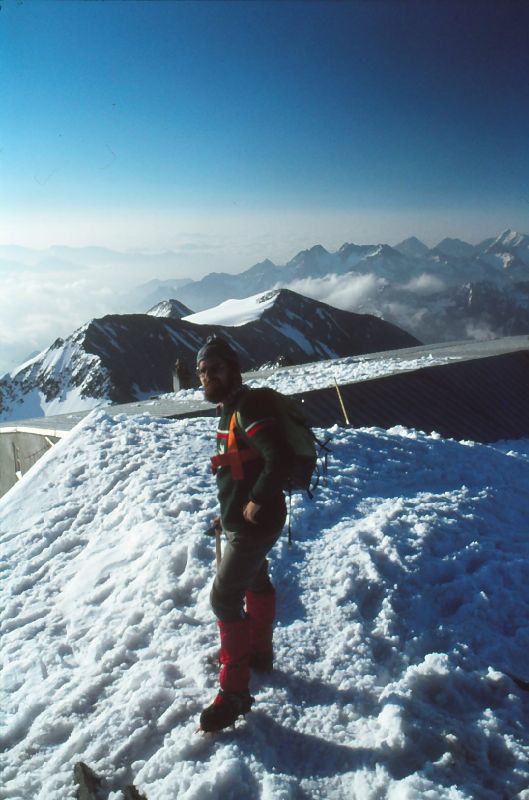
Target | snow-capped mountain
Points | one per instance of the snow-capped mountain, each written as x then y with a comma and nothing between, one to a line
122,358
169,308
415,287
65,377
510,240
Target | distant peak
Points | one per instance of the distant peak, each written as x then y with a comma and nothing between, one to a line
511,238
454,248
411,241
317,251
172,309
412,248
507,240
383,250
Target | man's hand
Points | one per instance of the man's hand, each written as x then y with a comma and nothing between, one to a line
250,510
216,525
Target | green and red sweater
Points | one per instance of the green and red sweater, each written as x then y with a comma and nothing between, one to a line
263,476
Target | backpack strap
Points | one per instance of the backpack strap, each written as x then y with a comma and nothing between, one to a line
234,457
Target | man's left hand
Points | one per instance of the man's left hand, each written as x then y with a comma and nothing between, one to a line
250,510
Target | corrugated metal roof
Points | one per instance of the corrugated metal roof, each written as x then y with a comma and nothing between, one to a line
485,400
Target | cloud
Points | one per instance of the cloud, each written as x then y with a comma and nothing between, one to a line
35,309
367,294
348,292
480,331
425,284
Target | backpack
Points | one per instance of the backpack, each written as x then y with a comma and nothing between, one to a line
304,448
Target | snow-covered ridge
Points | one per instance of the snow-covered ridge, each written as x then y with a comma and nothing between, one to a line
124,358
235,312
402,612
510,238
56,381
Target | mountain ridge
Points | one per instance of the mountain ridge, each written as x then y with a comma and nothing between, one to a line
120,358
380,279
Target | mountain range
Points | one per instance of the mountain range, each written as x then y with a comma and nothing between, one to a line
452,291
359,299
122,358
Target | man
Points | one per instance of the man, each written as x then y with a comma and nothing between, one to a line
249,467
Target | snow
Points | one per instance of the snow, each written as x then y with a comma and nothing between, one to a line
235,312
324,374
403,608
67,369
34,404
510,238
34,359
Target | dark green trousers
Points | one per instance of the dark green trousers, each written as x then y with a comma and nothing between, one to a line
243,567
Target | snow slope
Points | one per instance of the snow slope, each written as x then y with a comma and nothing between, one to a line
56,381
403,608
235,312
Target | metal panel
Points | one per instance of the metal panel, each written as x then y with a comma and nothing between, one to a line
483,400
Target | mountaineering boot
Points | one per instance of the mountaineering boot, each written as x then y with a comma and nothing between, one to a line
234,698
224,710
261,610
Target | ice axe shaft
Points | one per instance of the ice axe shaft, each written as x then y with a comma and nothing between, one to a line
218,547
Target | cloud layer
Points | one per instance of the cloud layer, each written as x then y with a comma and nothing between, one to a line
36,308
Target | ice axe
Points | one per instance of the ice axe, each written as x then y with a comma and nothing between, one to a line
218,548
216,531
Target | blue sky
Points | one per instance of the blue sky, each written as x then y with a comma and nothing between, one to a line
150,124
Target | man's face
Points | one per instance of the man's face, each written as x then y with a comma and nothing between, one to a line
216,378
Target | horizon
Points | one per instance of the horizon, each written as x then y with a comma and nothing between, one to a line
33,303
138,251
93,300
225,248
163,251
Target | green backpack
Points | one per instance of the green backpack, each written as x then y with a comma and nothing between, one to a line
303,472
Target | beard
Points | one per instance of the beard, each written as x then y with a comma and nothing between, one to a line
215,392
222,389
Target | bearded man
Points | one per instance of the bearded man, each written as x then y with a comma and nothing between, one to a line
250,471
